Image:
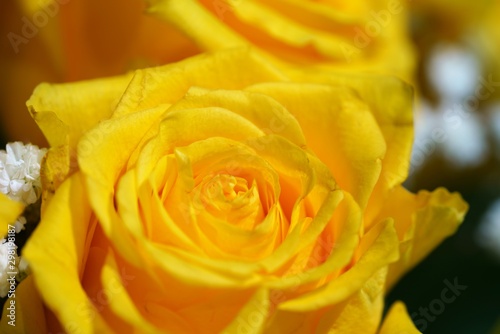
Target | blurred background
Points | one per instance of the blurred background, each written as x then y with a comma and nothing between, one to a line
457,120
457,145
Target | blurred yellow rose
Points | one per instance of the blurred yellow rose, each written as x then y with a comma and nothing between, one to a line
206,199
68,40
9,211
446,20
487,45
356,35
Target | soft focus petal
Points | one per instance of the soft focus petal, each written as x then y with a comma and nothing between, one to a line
289,32
29,310
9,211
204,28
65,41
56,254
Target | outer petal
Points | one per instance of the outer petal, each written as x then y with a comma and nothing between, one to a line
30,312
147,88
339,128
422,222
9,211
200,22
397,321
65,111
391,102
359,314
101,164
56,253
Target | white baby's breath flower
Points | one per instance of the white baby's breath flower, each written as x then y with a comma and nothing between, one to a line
24,269
7,264
20,172
19,224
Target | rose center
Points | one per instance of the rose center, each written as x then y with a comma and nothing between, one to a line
230,198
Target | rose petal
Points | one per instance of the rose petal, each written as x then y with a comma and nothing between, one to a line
344,232
361,313
422,222
259,109
347,138
391,102
56,254
101,163
220,36
9,211
30,313
266,21
66,111
253,316
119,301
147,88
382,251
397,321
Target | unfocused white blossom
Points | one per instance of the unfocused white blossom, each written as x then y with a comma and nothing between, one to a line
452,132
24,269
453,71
20,172
494,123
488,234
19,224
468,144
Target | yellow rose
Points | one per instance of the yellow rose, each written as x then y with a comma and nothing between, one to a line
69,40
209,199
361,35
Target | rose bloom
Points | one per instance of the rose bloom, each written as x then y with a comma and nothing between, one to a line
218,194
356,35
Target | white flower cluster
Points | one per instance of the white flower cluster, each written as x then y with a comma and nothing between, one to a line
20,172
20,181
